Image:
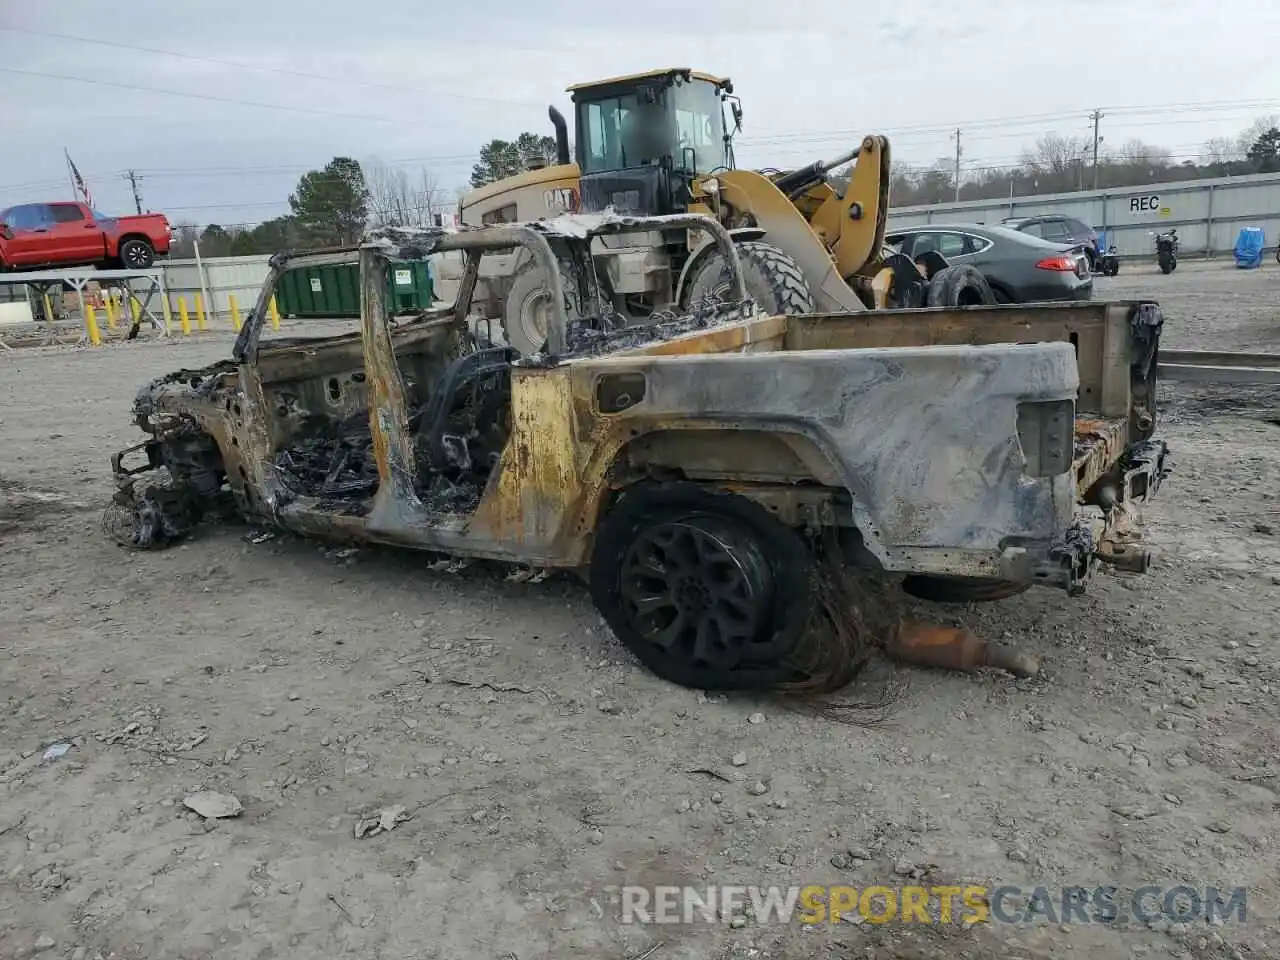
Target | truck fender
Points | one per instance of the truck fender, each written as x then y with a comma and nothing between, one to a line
700,255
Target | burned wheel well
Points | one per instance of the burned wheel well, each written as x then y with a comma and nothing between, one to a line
194,460
721,453
786,473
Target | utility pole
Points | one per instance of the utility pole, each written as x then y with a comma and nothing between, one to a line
957,172
1096,117
134,180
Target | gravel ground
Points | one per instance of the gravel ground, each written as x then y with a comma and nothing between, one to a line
540,768
1211,305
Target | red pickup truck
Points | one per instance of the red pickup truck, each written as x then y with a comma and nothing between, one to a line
72,234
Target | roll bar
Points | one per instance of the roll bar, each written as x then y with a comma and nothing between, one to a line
417,243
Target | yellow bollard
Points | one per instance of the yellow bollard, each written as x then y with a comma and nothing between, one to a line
48,308
91,324
235,311
182,315
135,309
111,314
275,315
200,324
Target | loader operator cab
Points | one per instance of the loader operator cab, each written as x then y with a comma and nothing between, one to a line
641,139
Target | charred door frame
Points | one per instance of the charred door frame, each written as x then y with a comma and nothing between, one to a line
397,513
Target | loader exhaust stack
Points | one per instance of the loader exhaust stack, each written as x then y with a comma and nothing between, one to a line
562,135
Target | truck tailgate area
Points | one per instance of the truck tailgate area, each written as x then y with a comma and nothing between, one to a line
1099,445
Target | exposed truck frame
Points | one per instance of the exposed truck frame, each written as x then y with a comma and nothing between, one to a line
981,450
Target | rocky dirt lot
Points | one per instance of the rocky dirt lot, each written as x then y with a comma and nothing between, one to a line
539,768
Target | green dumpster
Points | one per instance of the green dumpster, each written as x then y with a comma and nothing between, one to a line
334,291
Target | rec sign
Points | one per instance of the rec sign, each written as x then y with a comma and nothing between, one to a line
1148,204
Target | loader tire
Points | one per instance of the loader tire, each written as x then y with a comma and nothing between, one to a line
959,285
525,313
773,279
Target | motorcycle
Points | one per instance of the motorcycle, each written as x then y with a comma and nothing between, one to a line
1167,250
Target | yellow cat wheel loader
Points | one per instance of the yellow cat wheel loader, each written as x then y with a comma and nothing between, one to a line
662,143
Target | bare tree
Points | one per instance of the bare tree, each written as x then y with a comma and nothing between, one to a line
400,200
1058,164
391,202
1137,153
1222,150
937,184
1250,134
183,246
429,194
1056,154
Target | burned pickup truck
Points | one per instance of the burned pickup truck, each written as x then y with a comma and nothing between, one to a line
697,469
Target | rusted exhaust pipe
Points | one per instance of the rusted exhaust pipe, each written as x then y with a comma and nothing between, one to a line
1124,556
955,648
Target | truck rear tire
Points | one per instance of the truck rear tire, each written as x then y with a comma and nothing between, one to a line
137,254
711,591
773,279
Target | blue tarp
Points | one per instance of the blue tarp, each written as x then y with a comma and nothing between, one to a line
1248,249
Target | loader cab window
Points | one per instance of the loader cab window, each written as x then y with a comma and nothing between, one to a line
602,124
682,121
624,131
700,140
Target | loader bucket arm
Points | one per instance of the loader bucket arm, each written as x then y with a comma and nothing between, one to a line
854,223
754,194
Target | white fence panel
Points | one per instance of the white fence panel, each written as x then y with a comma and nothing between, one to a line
241,277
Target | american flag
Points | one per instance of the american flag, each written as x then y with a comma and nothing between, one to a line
78,180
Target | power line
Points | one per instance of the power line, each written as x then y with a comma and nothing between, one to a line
283,71
293,168
898,135
198,96
1030,119
166,172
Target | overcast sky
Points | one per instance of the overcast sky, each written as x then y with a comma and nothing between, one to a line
425,83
